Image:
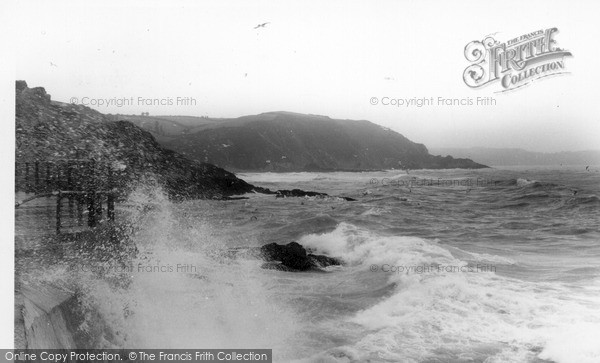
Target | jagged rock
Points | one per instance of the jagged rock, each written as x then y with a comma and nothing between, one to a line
284,193
298,193
51,131
293,257
21,85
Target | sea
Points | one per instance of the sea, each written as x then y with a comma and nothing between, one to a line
490,265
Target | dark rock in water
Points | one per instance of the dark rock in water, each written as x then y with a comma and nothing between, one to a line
233,198
297,193
293,257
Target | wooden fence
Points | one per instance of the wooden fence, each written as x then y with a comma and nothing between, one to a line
86,184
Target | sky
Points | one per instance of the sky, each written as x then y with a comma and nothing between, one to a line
329,58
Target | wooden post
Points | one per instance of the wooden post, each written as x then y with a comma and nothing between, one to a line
58,183
80,200
91,176
27,186
91,193
48,187
58,211
110,207
71,209
99,206
91,205
109,179
69,177
37,175
70,188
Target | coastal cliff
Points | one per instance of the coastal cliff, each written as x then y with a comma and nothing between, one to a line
53,131
292,142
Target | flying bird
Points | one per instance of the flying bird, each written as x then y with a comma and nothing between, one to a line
587,168
261,25
53,65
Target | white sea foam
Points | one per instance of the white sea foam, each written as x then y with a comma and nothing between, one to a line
184,293
452,315
525,182
483,257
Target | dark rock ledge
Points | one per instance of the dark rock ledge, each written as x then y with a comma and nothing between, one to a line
298,193
292,257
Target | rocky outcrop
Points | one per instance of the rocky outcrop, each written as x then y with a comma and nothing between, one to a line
291,257
294,257
52,131
284,193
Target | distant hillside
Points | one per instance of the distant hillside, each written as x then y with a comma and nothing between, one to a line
53,131
507,157
167,128
285,141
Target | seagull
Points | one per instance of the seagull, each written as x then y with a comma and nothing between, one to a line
53,65
587,168
261,25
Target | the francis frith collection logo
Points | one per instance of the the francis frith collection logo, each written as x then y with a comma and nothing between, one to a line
516,62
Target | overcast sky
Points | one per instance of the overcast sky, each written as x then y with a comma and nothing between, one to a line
319,57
